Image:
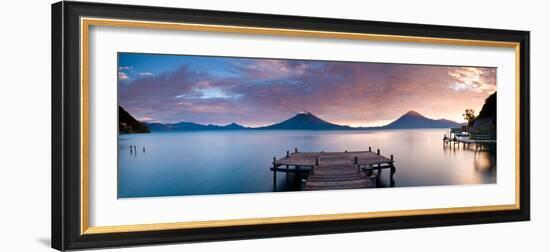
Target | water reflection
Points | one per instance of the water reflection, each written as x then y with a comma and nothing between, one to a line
484,158
194,163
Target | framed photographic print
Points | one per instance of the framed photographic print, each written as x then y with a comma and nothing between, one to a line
179,125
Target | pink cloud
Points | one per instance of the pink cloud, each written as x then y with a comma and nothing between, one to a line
267,91
122,76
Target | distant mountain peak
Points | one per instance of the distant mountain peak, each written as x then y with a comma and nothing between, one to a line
413,120
305,121
233,126
413,113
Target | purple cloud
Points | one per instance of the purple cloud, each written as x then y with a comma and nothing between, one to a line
264,91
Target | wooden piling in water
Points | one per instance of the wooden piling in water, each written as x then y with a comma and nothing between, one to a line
392,170
274,174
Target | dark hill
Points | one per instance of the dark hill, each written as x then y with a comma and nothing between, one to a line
489,109
127,124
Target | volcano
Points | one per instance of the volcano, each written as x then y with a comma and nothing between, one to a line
306,121
415,120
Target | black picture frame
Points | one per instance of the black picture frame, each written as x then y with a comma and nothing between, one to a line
66,124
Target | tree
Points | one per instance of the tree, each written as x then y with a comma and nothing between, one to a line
469,116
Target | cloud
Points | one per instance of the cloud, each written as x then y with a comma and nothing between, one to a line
145,74
145,119
269,69
125,68
473,79
122,76
264,91
123,72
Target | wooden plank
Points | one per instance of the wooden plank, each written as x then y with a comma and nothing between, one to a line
337,185
336,170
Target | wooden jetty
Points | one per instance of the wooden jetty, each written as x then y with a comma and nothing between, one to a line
457,136
334,170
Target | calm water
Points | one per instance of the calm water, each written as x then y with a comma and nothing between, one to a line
192,163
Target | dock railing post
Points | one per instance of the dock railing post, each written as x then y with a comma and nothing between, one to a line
356,163
377,151
316,164
287,153
295,150
370,150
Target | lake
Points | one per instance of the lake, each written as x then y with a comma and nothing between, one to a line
222,162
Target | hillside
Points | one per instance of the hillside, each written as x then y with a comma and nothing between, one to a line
305,121
127,124
489,109
414,120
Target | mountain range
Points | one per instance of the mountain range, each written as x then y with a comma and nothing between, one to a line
308,121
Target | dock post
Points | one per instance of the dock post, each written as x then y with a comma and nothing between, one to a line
274,175
316,164
370,149
356,162
392,171
295,150
377,151
287,153
286,175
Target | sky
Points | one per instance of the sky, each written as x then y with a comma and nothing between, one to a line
257,92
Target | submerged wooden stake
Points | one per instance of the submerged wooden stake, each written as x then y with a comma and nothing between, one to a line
274,174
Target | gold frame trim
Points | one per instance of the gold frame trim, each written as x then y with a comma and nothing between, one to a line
85,24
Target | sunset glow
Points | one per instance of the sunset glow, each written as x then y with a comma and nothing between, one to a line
257,92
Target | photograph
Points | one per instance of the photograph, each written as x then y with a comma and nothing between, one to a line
180,123
203,124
